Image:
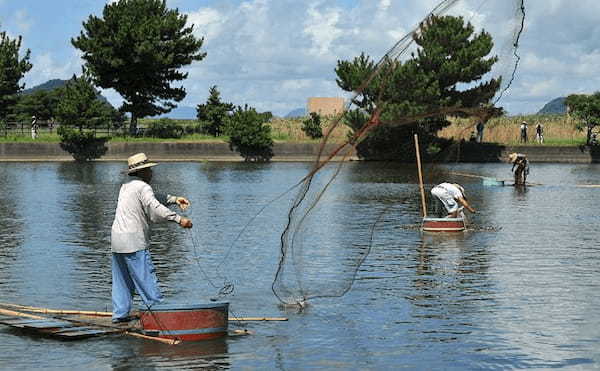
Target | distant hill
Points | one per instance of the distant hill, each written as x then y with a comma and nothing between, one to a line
298,112
180,113
48,85
555,106
55,84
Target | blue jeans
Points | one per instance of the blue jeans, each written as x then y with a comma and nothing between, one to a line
130,273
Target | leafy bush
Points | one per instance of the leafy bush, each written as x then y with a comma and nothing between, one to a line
312,126
249,135
83,146
164,128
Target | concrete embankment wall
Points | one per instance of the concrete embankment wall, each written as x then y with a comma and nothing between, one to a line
174,151
217,151
487,152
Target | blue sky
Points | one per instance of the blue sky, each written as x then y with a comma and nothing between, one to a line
274,54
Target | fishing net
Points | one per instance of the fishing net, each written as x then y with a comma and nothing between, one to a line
326,238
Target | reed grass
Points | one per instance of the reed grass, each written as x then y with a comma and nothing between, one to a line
558,130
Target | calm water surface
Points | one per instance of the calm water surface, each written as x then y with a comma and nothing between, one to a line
525,296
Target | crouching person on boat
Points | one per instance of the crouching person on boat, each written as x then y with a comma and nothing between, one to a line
452,196
137,208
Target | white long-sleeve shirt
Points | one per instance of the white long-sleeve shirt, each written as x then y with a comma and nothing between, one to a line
136,209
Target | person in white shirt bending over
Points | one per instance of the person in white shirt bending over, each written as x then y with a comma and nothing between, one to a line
452,196
132,268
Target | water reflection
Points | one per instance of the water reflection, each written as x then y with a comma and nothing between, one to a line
11,223
523,295
211,354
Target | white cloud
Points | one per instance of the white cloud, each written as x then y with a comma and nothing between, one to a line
539,88
47,67
23,21
275,54
321,27
384,5
208,23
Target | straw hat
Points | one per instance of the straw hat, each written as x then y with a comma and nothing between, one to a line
138,162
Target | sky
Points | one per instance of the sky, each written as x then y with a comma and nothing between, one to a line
275,54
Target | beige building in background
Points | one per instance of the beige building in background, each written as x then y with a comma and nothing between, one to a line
325,106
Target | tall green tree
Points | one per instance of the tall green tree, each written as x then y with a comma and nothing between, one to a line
79,108
587,109
41,104
445,71
213,113
137,48
12,69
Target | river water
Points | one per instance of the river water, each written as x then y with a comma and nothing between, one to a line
523,291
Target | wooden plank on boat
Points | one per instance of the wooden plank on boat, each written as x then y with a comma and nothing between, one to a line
79,334
10,321
40,324
71,329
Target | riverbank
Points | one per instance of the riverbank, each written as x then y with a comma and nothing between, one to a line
163,151
286,151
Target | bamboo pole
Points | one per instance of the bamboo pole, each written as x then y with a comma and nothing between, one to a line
423,204
19,314
166,341
58,311
109,314
258,319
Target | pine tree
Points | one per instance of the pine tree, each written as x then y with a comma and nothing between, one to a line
12,69
449,57
78,105
79,108
137,48
212,115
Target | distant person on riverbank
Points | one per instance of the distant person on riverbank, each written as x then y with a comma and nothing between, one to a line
479,128
452,196
539,133
137,207
34,127
523,138
521,164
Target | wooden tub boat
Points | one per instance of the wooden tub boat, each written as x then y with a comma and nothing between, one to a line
443,225
188,322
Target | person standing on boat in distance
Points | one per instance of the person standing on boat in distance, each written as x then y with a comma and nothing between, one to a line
452,196
137,207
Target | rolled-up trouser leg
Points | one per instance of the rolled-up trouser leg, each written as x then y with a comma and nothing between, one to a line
122,286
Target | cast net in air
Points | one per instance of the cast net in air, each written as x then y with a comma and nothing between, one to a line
329,234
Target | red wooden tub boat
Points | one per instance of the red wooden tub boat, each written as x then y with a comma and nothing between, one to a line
187,322
443,225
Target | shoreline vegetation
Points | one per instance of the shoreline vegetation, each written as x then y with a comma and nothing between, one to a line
559,130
